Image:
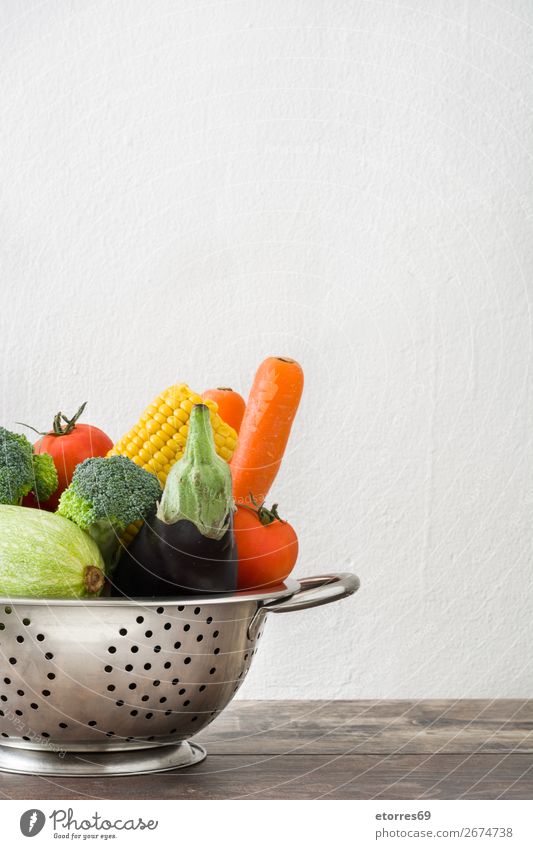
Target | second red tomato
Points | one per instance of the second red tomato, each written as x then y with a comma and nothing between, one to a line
267,547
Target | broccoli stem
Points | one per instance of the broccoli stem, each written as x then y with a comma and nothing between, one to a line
107,540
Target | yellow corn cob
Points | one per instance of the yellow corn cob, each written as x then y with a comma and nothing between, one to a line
158,439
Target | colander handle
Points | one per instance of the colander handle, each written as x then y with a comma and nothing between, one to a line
321,589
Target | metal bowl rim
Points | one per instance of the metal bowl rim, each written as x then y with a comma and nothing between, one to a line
287,588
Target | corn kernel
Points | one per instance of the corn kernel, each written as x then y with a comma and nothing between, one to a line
144,455
156,440
168,429
160,458
138,460
181,415
168,452
174,395
177,443
184,430
152,426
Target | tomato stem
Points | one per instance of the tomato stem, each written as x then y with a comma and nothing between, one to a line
70,424
59,429
265,516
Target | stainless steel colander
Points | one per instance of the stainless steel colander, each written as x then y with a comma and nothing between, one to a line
115,686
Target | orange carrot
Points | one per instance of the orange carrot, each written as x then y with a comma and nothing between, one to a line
265,428
230,405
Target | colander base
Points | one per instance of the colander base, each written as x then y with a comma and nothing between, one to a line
154,759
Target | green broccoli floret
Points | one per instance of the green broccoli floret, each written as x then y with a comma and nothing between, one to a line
45,481
22,471
16,468
106,495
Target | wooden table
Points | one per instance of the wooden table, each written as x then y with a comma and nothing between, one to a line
336,750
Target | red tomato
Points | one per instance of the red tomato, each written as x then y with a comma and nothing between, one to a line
69,443
267,547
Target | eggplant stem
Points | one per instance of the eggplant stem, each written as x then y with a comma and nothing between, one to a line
198,487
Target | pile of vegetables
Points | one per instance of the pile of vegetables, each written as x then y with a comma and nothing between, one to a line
175,507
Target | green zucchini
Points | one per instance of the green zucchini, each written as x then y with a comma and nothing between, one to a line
43,555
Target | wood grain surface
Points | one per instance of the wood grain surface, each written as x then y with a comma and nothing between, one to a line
336,750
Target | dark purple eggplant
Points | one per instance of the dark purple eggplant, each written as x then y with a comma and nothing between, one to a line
174,560
186,547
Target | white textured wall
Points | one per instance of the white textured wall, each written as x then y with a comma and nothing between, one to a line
189,187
